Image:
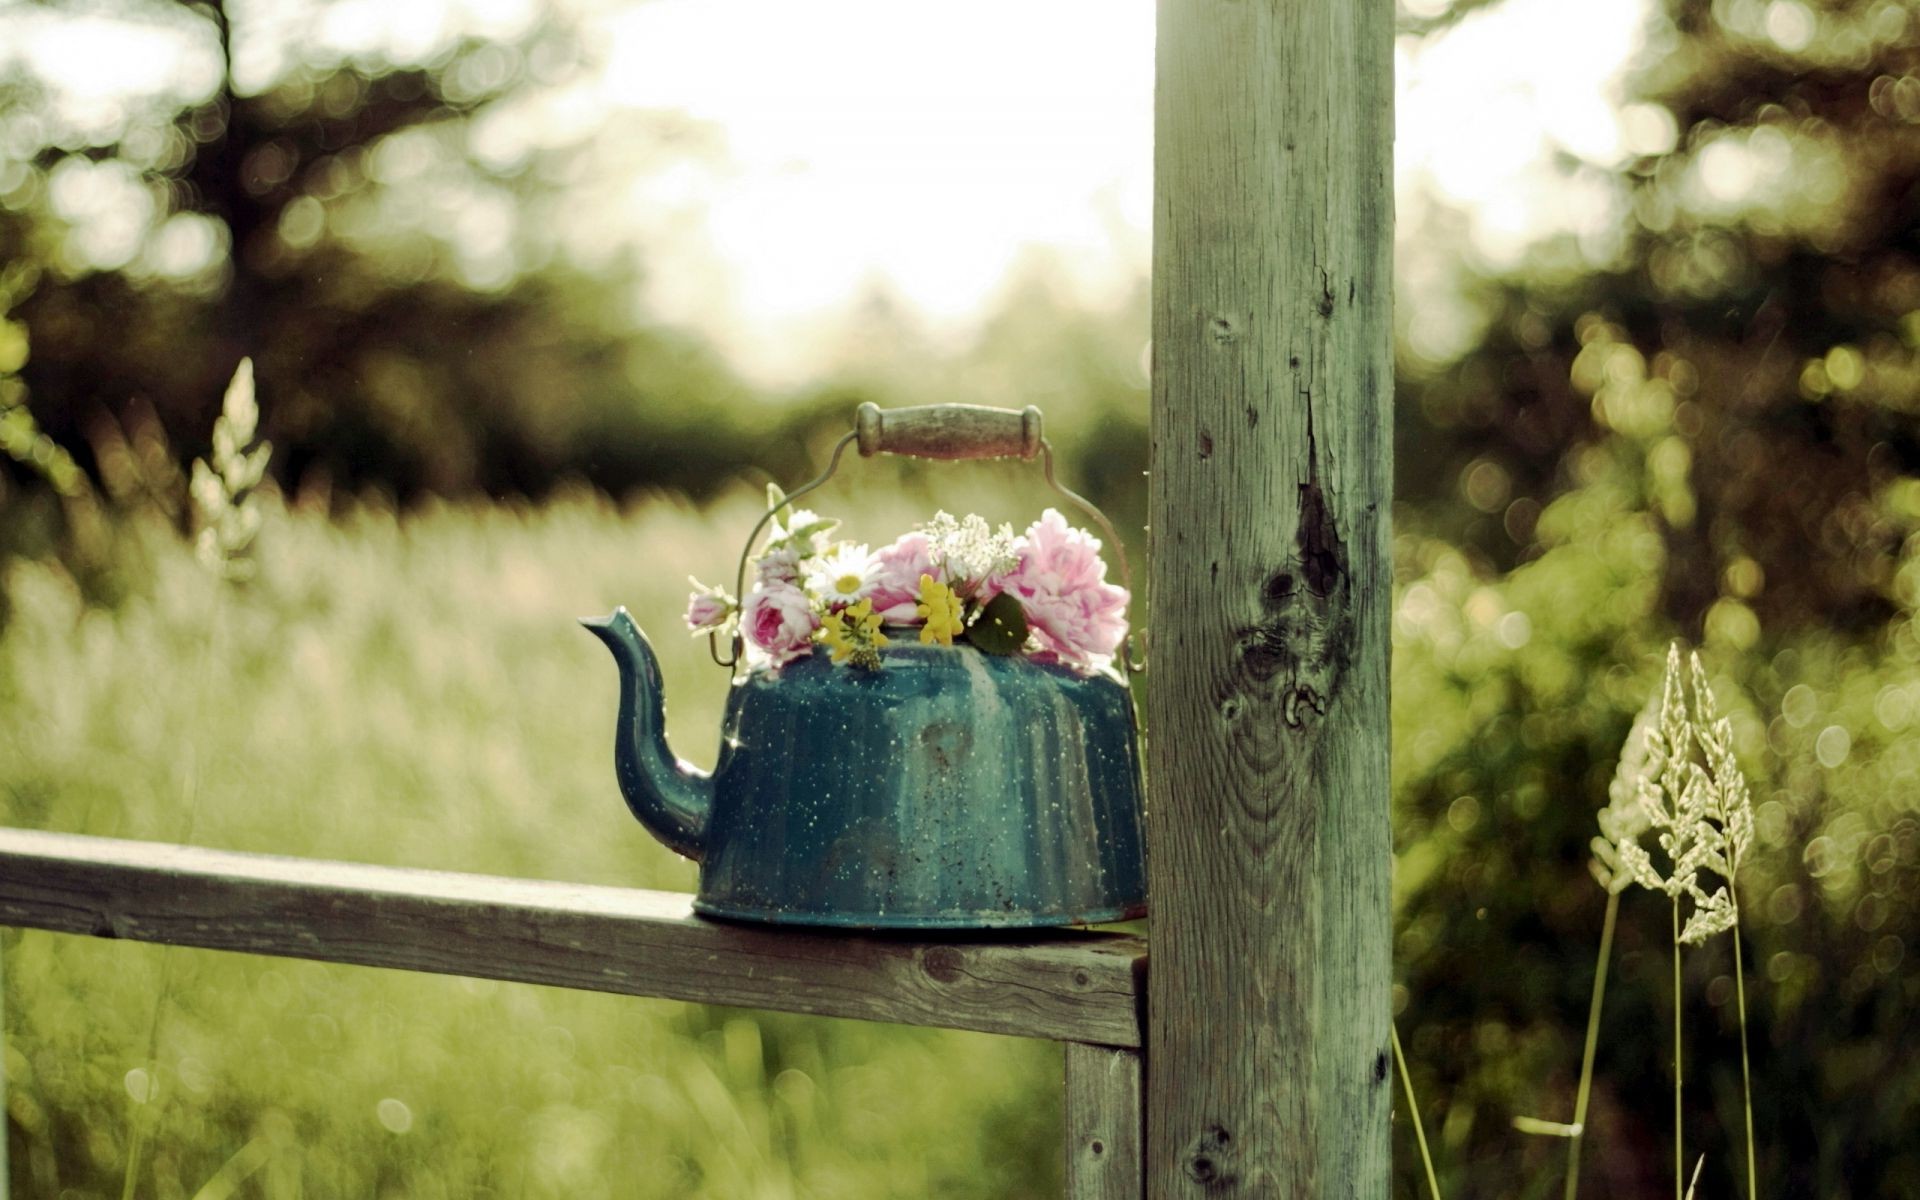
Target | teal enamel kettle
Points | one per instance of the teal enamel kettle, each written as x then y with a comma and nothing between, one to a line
950,789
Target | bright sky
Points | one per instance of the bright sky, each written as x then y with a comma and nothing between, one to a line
924,148
930,145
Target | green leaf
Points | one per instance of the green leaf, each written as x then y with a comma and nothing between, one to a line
805,534
1001,627
775,497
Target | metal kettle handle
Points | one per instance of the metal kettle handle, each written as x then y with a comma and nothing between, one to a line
948,432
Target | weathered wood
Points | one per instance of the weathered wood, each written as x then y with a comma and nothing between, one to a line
1269,846
948,431
1104,1123
1066,986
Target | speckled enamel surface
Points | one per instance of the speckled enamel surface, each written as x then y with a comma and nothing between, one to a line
948,789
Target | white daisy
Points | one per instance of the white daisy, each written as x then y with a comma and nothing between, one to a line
843,575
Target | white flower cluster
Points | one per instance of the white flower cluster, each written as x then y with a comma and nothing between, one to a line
971,552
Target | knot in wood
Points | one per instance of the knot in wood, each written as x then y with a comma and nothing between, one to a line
1210,1161
943,963
1293,655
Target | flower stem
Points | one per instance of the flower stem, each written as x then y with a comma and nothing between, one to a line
1413,1107
1679,1167
1746,1074
5,1189
1593,1041
147,1115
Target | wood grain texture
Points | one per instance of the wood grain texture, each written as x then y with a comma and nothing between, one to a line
1067,986
1104,1124
1268,761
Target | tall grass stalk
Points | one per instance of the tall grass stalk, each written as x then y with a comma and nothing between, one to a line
235,1171
1601,962
1679,1162
1625,818
147,1115
228,520
1731,806
1703,815
5,1173
1413,1108
1746,1072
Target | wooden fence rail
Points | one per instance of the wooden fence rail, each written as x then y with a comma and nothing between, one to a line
1081,988
1076,987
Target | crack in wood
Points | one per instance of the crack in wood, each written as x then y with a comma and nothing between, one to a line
1293,656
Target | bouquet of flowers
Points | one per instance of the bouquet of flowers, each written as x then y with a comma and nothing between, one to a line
1043,594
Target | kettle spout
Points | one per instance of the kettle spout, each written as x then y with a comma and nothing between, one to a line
671,798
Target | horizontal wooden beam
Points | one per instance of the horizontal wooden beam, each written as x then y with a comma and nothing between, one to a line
1068,986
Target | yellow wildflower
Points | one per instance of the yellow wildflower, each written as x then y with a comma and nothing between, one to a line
853,635
941,608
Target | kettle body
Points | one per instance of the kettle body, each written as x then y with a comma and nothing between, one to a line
949,789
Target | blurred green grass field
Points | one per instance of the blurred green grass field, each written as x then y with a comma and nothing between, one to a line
417,694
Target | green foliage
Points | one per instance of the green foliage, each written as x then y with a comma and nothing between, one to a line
20,437
1001,627
1756,339
329,199
1513,695
414,691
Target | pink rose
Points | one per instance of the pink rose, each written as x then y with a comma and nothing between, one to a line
897,589
779,619
1075,615
708,610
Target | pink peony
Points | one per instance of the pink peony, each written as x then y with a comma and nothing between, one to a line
897,589
708,610
779,619
1075,615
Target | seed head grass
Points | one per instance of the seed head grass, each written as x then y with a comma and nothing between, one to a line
1677,775
226,513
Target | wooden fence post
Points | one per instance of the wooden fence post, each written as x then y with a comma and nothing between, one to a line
1268,1067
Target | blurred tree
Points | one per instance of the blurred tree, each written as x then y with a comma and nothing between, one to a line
1757,340
383,235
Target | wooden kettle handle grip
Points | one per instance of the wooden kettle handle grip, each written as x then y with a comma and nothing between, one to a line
948,431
